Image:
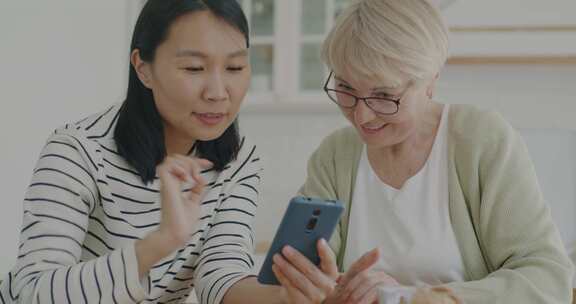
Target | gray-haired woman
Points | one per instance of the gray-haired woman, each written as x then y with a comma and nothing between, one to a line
446,194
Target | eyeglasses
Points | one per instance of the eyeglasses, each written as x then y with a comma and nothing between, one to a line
380,105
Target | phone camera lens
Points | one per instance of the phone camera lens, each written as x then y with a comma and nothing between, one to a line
311,224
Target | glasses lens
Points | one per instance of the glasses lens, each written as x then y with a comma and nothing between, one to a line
383,106
342,99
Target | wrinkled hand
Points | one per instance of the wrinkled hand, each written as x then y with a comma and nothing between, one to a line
303,282
435,295
180,210
360,283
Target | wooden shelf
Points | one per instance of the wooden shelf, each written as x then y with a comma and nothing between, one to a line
512,60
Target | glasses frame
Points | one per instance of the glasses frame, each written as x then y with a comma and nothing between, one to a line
366,100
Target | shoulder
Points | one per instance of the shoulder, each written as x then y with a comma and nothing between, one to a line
247,163
483,142
82,138
471,124
343,142
248,149
95,127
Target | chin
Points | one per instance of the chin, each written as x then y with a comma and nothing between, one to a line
207,135
381,141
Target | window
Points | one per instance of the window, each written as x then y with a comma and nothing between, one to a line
286,40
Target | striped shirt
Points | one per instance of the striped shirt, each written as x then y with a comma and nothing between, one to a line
86,206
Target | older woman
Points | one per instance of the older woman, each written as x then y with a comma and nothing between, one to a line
447,194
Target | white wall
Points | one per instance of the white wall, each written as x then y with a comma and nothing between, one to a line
512,14
59,60
58,65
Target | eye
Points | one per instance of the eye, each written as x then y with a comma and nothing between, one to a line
384,95
345,87
194,69
235,68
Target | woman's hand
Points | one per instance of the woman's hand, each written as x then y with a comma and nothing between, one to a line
360,283
301,280
435,295
180,210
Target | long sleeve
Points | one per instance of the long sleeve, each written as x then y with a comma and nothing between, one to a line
319,179
331,174
227,254
57,209
520,244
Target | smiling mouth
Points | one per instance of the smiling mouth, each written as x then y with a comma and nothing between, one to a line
210,118
210,115
372,130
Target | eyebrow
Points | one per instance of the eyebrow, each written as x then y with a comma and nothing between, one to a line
374,89
193,53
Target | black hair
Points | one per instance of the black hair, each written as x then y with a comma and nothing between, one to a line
139,131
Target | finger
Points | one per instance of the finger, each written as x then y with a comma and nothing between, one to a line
179,172
293,293
167,168
198,182
196,164
363,281
327,259
308,269
204,163
171,176
173,170
175,178
370,297
190,164
281,277
357,286
196,192
362,284
296,279
365,262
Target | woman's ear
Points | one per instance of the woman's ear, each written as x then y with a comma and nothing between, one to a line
142,68
431,87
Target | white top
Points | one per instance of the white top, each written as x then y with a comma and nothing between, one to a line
411,226
86,206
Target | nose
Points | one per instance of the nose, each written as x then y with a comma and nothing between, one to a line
362,113
215,89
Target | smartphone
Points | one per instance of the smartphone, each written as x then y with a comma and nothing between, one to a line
306,221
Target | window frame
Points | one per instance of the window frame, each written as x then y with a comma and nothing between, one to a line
287,46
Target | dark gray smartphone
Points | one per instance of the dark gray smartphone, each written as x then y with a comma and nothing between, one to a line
305,221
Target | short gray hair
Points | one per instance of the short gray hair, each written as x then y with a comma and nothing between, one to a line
391,39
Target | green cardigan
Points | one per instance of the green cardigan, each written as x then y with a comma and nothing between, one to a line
511,249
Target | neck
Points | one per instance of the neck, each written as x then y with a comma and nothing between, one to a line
176,143
403,160
423,134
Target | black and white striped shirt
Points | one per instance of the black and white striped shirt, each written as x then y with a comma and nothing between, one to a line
86,206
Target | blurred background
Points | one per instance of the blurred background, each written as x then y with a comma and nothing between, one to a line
61,60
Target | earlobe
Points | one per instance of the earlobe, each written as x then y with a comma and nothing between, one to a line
430,92
142,68
431,86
